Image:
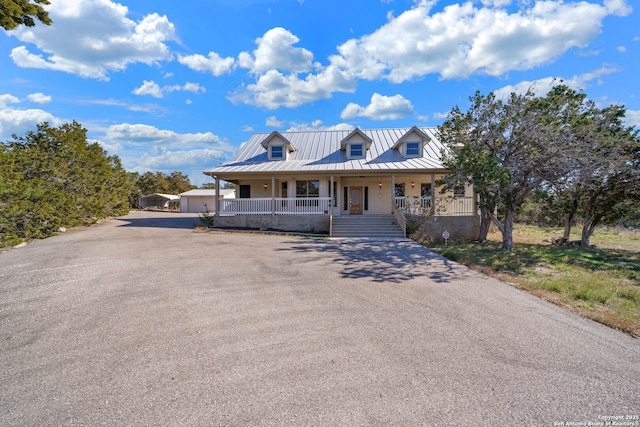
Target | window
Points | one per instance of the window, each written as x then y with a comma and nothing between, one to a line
413,149
307,188
366,198
285,192
458,191
425,190
398,191
245,191
277,152
355,150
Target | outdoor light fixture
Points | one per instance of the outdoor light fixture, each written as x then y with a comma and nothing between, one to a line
265,187
380,185
413,184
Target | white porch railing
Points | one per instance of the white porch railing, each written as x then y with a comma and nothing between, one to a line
276,206
444,206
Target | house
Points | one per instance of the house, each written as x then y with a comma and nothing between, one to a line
161,201
200,200
310,181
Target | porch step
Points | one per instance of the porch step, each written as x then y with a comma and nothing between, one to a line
366,226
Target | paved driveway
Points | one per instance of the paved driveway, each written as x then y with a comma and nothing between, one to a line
143,320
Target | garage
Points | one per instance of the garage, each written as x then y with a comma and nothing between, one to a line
202,200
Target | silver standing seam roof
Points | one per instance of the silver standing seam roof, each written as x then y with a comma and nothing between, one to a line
320,152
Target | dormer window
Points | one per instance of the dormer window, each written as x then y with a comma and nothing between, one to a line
356,144
412,143
356,151
277,146
277,152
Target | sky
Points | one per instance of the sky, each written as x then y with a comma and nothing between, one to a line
179,86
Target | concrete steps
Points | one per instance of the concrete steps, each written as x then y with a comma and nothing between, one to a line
366,226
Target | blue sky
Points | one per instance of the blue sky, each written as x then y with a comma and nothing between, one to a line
169,85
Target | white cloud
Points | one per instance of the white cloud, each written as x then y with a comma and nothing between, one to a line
148,88
6,99
274,89
213,64
16,121
272,121
381,108
463,40
632,118
621,49
153,89
317,125
275,51
146,135
543,86
440,116
39,98
91,38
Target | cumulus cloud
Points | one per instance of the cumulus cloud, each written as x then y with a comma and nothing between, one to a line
92,38
141,134
462,39
544,85
39,98
7,99
19,122
151,88
272,121
632,118
380,108
213,63
146,148
274,89
276,51
317,125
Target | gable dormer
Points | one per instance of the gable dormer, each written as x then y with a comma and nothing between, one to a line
356,144
412,143
278,147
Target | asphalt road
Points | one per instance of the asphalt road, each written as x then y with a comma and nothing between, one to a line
143,320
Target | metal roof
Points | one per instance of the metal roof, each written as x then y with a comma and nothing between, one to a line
320,151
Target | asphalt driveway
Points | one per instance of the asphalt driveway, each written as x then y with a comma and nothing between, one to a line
143,320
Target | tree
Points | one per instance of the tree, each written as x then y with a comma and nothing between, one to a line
54,177
506,149
21,12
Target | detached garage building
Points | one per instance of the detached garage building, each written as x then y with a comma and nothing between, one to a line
159,201
202,200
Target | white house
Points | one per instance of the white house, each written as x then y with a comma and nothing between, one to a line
200,200
310,181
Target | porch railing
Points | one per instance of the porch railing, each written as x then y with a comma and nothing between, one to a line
444,206
276,206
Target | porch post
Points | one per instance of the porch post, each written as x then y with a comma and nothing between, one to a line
393,193
433,194
273,195
217,204
331,195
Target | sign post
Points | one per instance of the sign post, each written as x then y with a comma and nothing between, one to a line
445,236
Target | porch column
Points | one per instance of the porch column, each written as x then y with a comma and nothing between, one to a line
393,193
217,204
433,194
331,195
273,195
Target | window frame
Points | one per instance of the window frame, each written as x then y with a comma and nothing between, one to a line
281,156
362,150
306,194
417,149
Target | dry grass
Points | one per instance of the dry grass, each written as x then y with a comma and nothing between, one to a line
602,283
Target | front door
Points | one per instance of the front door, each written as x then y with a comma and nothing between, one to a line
355,200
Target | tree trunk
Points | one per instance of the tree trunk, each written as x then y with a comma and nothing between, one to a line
568,219
589,225
507,234
485,224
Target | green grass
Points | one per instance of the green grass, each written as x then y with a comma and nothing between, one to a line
602,283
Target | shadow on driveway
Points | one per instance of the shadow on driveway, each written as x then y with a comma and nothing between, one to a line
160,220
388,261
